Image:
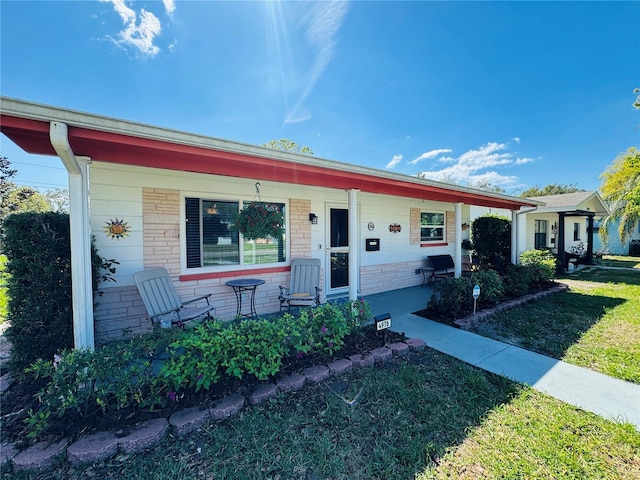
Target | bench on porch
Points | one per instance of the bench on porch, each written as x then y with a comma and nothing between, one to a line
439,266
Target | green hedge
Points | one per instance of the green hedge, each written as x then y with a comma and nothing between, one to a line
491,239
39,286
38,252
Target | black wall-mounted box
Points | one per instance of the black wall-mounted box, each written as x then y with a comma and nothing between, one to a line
372,244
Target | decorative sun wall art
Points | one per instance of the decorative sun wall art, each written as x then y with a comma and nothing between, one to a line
117,228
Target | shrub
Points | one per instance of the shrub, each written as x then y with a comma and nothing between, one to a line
357,313
252,348
529,257
211,351
452,297
540,265
491,238
39,285
83,383
195,358
317,330
516,280
491,287
634,248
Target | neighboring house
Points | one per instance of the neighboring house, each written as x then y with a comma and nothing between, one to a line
613,246
564,222
160,197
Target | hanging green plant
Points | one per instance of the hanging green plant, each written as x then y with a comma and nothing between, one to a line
260,220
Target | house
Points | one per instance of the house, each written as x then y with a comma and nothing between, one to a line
563,223
613,245
160,197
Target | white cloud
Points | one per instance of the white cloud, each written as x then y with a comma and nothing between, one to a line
394,161
472,166
522,161
140,30
169,6
516,139
322,25
430,154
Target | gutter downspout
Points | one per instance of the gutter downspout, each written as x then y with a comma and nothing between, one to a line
354,245
457,255
80,235
514,237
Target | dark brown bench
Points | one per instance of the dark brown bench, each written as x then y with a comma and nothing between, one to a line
442,265
439,266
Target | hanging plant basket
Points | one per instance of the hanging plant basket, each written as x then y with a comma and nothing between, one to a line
260,220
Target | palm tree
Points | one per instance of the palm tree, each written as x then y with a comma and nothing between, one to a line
621,190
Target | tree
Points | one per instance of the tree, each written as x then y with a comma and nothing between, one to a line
286,145
552,189
58,198
621,191
14,199
486,186
6,174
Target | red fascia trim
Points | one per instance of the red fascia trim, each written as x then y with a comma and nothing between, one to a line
445,244
33,137
236,273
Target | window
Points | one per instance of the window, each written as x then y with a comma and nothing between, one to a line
576,232
540,234
211,240
431,227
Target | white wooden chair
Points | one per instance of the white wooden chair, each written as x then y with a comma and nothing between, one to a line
304,285
163,305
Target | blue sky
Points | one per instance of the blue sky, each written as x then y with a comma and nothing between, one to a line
518,94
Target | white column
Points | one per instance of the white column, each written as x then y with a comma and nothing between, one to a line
354,245
458,239
82,288
514,237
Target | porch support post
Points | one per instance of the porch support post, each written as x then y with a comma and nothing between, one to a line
514,237
458,237
354,245
590,240
82,289
560,243
80,237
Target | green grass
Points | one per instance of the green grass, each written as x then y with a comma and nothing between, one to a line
537,437
620,261
426,416
596,324
429,416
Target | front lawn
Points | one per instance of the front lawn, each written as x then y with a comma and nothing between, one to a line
596,324
621,261
424,416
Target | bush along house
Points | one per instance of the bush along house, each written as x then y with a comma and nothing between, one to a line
165,198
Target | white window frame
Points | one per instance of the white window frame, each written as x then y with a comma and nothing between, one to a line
232,267
443,226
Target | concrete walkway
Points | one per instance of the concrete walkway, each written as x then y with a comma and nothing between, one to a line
591,391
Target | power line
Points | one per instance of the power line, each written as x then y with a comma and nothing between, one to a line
48,185
37,165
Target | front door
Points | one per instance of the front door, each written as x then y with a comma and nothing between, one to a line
540,234
338,250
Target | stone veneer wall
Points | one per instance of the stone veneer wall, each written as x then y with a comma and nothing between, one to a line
390,276
414,219
121,308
